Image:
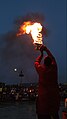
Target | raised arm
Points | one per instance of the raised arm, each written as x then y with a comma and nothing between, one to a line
37,62
43,47
39,58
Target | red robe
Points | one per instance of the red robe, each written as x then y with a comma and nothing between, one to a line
48,92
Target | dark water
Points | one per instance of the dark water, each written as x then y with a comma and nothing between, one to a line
24,110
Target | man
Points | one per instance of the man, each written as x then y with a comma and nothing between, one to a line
48,102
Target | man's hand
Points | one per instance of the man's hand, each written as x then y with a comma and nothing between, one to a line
43,48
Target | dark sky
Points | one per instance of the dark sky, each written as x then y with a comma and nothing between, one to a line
19,52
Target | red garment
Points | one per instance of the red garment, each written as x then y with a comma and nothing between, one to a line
48,92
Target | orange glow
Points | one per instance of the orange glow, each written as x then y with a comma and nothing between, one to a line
34,29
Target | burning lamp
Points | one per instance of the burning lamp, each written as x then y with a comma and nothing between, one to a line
35,29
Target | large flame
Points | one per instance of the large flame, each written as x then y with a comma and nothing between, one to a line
34,29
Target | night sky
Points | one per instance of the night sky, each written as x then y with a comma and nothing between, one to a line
19,52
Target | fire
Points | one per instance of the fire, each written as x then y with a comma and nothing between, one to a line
34,29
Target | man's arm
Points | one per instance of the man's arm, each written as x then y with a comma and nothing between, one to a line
44,48
37,62
39,58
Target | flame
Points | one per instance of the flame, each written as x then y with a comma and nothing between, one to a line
34,29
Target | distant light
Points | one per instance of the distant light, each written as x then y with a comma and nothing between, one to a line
30,91
15,69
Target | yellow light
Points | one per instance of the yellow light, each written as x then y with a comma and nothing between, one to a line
34,29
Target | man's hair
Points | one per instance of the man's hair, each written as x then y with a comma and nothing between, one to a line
47,61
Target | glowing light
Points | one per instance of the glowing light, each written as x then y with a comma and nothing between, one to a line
30,91
34,29
15,69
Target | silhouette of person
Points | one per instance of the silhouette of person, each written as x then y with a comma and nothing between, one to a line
48,100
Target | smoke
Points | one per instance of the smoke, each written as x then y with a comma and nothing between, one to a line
17,46
33,17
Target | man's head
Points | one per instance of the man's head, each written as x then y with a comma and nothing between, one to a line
47,61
